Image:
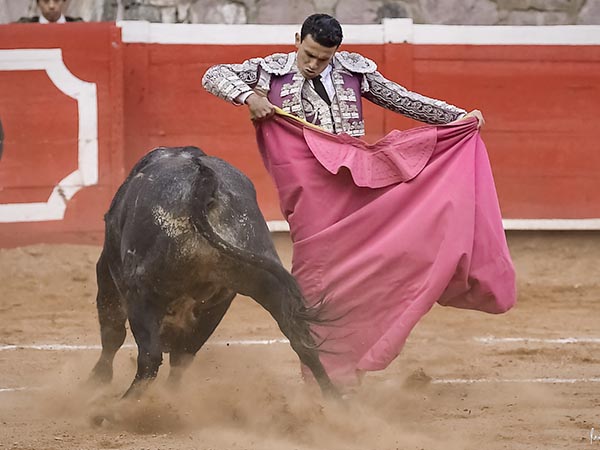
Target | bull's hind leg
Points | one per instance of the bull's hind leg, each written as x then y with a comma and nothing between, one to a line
144,319
206,321
285,304
112,317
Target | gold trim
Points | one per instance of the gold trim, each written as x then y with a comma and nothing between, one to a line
281,112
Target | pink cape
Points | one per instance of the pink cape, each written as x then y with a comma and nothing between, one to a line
383,231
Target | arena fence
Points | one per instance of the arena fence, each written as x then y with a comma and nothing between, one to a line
82,102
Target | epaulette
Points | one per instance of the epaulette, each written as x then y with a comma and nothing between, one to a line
355,62
278,63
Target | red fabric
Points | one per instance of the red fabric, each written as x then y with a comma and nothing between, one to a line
384,231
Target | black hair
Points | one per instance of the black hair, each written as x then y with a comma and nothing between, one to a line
324,29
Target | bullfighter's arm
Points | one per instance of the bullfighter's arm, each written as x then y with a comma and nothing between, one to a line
394,97
229,81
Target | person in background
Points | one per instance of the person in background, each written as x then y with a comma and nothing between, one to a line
52,11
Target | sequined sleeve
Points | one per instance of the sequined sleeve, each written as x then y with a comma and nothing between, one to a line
227,81
394,97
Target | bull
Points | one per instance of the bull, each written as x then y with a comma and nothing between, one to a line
183,236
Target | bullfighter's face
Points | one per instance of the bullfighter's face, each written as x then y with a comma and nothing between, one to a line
312,58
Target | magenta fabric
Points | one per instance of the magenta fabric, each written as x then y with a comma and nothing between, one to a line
382,232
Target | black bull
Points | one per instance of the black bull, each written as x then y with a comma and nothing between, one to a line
183,236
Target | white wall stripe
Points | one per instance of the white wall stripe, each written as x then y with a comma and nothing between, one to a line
526,340
509,224
69,347
488,340
441,381
551,224
507,35
13,389
278,225
51,61
390,31
515,380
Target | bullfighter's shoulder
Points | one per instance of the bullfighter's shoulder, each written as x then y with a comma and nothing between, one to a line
278,63
355,62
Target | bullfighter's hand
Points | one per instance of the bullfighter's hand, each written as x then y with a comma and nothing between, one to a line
477,114
260,107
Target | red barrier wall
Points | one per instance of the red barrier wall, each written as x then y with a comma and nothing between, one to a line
41,126
540,102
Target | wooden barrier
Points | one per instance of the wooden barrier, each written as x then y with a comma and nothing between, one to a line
81,104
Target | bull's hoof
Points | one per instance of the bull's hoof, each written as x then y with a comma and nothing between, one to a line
100,419
100,375
95,380
97,421
137,389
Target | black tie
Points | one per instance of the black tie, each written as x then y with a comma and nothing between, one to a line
321,89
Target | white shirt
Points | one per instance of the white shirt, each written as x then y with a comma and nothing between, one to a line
61,19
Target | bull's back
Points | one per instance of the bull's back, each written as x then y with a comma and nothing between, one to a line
171,196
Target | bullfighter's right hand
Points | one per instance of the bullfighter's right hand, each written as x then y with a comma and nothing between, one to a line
260,107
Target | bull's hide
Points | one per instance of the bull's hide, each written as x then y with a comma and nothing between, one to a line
385,231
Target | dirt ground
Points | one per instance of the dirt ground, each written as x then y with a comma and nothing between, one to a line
465,380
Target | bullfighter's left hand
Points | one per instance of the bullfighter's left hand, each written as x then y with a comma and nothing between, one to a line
477,114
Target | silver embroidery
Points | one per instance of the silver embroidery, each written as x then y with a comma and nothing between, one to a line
295,88
397,98
279,63
227,81
345,109
263,85
355,62
347,95
315,108
355,128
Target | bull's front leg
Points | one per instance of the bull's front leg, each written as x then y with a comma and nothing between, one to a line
144,319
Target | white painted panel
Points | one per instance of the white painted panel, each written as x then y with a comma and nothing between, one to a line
391,30
51,61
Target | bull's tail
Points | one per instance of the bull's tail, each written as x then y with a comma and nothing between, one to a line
297,315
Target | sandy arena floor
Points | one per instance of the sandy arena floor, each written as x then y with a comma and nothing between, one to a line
465,380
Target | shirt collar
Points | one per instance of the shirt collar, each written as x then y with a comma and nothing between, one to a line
326,71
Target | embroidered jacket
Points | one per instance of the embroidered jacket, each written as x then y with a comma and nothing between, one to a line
353,75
